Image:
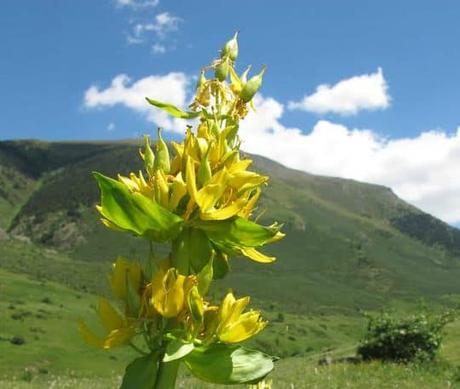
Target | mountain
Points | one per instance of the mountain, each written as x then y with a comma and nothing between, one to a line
349,245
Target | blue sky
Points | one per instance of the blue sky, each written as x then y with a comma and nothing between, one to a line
53,52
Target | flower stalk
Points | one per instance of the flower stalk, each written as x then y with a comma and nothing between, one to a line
200,199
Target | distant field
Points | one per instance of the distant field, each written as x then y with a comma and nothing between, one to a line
44,314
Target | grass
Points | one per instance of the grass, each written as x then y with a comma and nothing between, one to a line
45,314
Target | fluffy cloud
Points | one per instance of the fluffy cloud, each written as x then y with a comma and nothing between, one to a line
171,87
137,3
347,97
162,24
422,170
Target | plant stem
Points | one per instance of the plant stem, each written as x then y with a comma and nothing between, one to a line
167,375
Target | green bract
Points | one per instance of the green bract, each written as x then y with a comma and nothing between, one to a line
173,110
135,212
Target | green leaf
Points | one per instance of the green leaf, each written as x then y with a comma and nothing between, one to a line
135,212
220,266
177,349
205,277
191,249
236,233
141,373
173,110
226,365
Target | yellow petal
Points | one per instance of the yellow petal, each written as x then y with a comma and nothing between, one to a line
118,337
129,183
278,236
122,271
161,189
226,212
168,292
178,191
110,318
238,308
249,324
89,336
239,166
249,206
191,179
244,180
257,256
110,225
208,196
226,307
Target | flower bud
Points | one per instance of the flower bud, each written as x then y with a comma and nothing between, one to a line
201,80
162,160
252,86
244,76
222,70
195,306
230,49
147,155
204,171
168,292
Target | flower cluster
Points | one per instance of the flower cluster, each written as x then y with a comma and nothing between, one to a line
200,196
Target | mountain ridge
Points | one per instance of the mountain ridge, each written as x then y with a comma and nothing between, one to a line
345,238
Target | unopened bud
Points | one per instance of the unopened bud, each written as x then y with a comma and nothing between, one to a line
162,160
222,70
252,86
148,156
195,306
230,49
204,171
244,76
201,80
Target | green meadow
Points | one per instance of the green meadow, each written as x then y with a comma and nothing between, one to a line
350,247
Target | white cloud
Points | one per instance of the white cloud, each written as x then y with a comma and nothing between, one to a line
158,49
422,170
163,24
171,88
137,3
111,127
347,97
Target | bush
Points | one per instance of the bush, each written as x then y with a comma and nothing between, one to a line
404,339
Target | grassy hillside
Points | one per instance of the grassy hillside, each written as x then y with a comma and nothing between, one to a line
349,245
40,346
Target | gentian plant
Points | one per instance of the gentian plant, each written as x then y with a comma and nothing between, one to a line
200,201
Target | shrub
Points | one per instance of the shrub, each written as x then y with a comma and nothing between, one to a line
404,339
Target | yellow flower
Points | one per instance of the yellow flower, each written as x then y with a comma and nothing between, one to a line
262,385
136,183
118,330
235,326
124,271
169,290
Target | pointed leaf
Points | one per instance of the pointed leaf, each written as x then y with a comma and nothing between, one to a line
227,365
235,235
141,373
205,277
135,212
173,110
